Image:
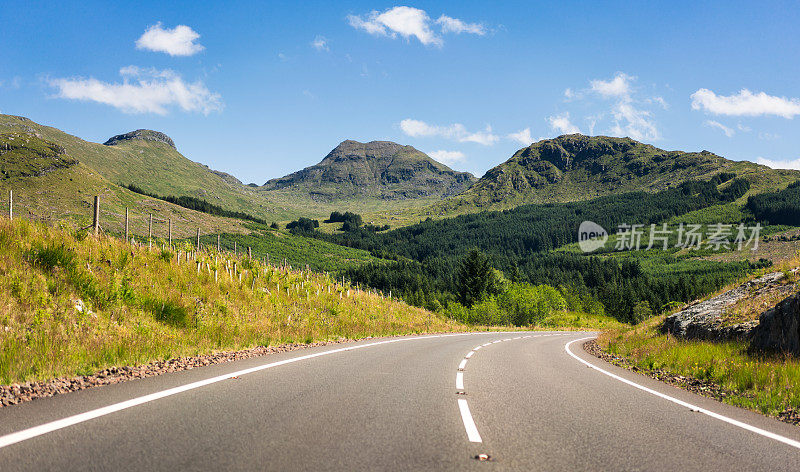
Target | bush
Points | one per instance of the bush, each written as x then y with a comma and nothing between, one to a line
303,224
51,256
168,312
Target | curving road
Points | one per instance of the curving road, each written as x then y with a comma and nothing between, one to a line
529,401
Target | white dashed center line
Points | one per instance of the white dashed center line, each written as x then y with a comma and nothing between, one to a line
466,416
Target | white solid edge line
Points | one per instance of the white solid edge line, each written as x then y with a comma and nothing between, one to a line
762,432
469,423
29,433
463,364
460,381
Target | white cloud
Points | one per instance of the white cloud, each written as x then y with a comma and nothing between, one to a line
562,124
660,100
416,128
457,131
411,22
320,43
619,86
178,41
792,164
142,91
629,119
405,21
768,136
454,25
729,132
633,122
745,103
522,136
447,157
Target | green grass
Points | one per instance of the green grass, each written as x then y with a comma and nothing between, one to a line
769,384
72,305
298,251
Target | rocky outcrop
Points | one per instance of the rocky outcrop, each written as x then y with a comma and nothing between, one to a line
778,328
703,320
142,135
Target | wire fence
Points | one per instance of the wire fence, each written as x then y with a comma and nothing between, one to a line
154,232
150,229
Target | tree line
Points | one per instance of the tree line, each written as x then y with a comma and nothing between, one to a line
197,204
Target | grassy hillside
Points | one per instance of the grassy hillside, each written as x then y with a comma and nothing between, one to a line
157,167
154,166
298,251
50,184
729,371
576,167
73,306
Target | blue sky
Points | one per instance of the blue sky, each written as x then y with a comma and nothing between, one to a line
261,89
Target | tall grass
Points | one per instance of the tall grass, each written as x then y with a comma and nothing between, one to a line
766,383
72,305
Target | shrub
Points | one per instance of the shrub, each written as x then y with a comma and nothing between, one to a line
168,312
50,256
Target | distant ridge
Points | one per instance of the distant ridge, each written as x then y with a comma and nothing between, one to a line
575,167
381,169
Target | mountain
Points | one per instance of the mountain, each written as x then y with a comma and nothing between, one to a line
576,167
378,177
51,182
377,169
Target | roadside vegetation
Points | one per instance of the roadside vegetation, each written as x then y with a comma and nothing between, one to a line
72,304
765,382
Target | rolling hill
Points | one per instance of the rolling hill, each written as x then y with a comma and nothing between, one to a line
576,167
51,184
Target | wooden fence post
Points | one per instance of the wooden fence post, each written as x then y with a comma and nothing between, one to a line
10,204
96,218
169,235
217,242
198,239
150,232
249,253
126,225
234,249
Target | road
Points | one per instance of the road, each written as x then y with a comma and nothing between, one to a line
530,401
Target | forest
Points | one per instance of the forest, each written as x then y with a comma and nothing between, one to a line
778,208
197,204
519,243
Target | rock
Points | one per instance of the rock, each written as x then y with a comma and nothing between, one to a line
142,135
702,320
778,329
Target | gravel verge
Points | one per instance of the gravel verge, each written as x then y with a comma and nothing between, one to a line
694,385
19,393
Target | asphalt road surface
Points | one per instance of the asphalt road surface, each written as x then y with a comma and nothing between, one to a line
529,401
